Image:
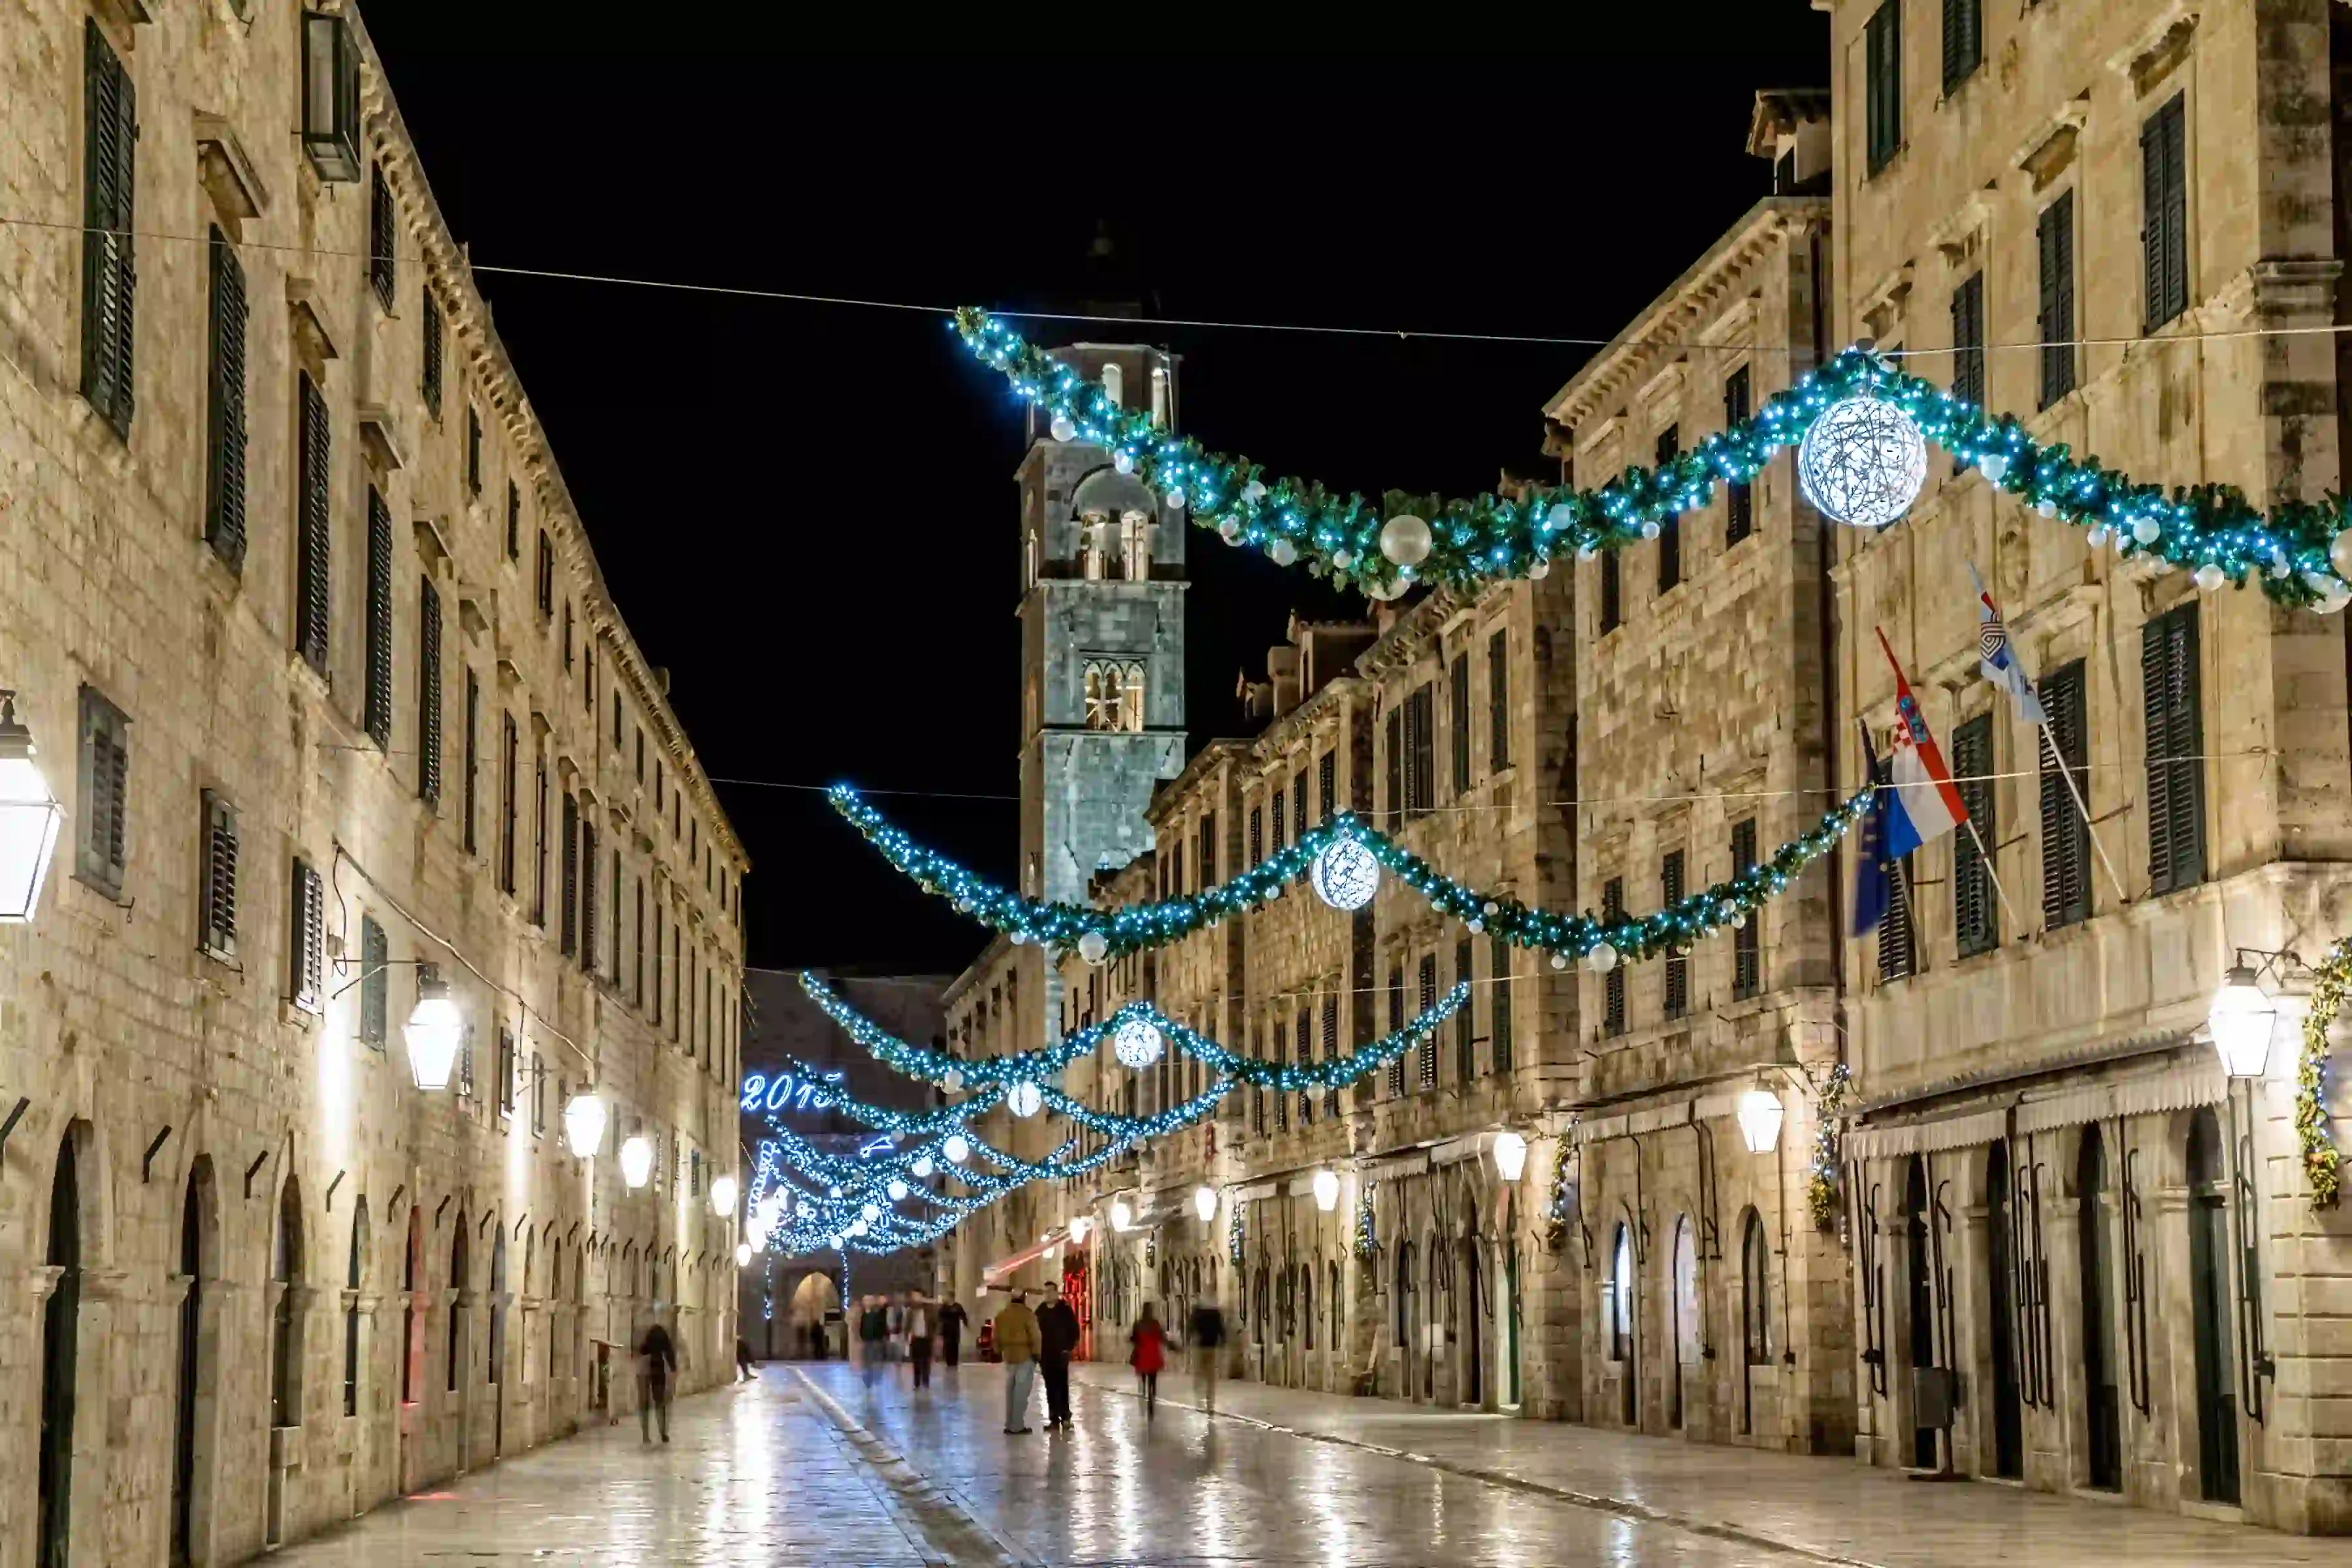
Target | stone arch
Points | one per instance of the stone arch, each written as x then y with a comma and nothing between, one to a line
288,1260
199,1256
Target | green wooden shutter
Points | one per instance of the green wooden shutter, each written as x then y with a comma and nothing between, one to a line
376,710
104,767
1963,41
218,915
110,131
1671,886
2176,783
1670,527
469,783
2065,841
383,230
1498,700
1612,596
2164,213
1974,913
1968,338
1396,1022
1738,403
375,987
1465,1021
1883,88
1457,718
1327,784
1393,767
431,347
473,450
1429,1000
2054,240
312,542
1613,984
306,981
1748,941
428,692
1498,966
225,407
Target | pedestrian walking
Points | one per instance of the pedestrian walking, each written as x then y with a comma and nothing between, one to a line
745,1370
1016,1336
919,1340
1205,1334
1150,1354
873,1334
899,1309
1057,1330
952,1322
656,1359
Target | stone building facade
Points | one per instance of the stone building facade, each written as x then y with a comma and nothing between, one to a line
1712,1308
317,656
2059,1203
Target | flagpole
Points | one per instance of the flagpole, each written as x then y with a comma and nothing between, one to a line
2089,831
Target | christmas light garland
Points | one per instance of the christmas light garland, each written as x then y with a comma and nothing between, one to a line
2322,1161
1821,1174
1488,536
1132,927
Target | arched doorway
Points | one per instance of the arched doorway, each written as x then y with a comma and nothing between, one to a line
1755,1299
496,1375
1682,1306
1473,1310
194,1372
1511,1297
1407,1317
2008,1399
2103,1402
804,1311
2208,1294
1624,1346
60,1355
355,1271
459,1284
285,1345
1919,1296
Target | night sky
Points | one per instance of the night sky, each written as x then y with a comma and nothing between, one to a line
807,511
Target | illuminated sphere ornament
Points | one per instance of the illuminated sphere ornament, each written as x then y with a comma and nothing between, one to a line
1205,1203
2209,578
1284,553
1137,1043
1123,461
1862,461
953,1082
1994,465
1345,874
958,1148
1062,429
834,1241
1405,540
870,1213
897,1190
1094,947
1395,588
2339,555
922,1166
1601,959
1023,1098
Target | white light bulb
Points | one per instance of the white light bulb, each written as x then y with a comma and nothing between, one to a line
1862,461
897,1190
1405,540
1023,1098
1601,959
1094,947
1345,874
1062,429
922,1166
957,1149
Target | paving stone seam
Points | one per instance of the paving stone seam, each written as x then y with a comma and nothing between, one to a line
1625,1507
934,1511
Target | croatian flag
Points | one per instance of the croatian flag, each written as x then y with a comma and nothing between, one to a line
2000,661
1924,805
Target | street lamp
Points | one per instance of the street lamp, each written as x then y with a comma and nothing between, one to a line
1326,1189
1121,1216
434,1031
1510,1156
637,1161
1205,1203
2241,1020
583,1123
722,1195
1079,1226
1759,1120
742,1254
29,819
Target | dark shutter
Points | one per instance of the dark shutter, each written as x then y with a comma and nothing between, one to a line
2065,838
1457,718
383,228
224,409
510,781
2164,212
375,984
1208,865
1257,836
2054,235
1276,808
376,712
506,1075
428,692
1498,964
1671,880
469,784
431,353
1297,811
514,522
1396,1022
1968,338
547,604
109,276
1282,1058
1498,700
1738,406
306,976
1392,766
1975,908
1465,1018
313,536
218,916
1747,940
1612,613
1613,984
2175,770
1327,784
1428,1000
473,450
1898,952
1422,719
105,777
588,900
539,838
1963,41
1882,86
1331,1047
1670,527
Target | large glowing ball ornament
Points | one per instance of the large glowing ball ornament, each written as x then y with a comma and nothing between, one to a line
1601,959
871,1212
637,1161
1345,874
2339,555
1862,461
958,1148
897,1190
1205,1203
1759,1120
1326,1189
1094,947
1510,1155
834,1241
922,1166
583,1124
953,1082
722,1195
1062,428
1023,1098
1393,589
1405,540
1137,1043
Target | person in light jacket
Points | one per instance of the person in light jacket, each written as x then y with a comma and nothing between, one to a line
1017,1342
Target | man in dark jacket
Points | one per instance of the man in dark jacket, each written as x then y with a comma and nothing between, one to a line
656,1359
1205,1337
1057,1330
951,1321
873,1333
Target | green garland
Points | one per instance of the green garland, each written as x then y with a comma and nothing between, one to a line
1555,1208
2322,1163
1368,1235
1490,536
1822,1179
1133,927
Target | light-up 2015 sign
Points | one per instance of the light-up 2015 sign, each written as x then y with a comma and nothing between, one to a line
787,1091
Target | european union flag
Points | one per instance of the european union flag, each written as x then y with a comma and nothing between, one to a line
1873,891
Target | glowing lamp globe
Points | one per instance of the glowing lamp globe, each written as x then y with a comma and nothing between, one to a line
958,1148
1510,1155
637,1161
1345,874
1094,947
897,1190
1205,1203
922,1166
583,1124
1078,1229
742,1254
1137,1043
1326,1189
1759,1120
722,1195
2241,1020
834,1241
1023,1098
870,1213
1405,540
30,817
434,1031
1121,1216
1862,461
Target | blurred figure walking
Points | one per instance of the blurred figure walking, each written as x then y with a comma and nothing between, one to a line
1150,1354
919,1340
1057,1329
656,1359
1205,1335
952,1322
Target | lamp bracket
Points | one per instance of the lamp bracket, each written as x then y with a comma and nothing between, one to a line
2280,966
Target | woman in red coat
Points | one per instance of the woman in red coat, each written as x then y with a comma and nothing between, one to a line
1150,1354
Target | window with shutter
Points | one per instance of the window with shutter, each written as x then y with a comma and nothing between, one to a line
1747,940
1498,968
1274,814
2054,234
382,243
1458,719
540,825
473,450
1299,805
1898,953
612,967
1331,1046
1968,338
510,781
104,768
1963,41
376,711
1670,527
1392,766
430,381
111,136
315,467
1420,766
1974,912
217,918
1739,499
1670,888
468,784
2164,212
1327,785
506,1071
1429,1000
2176,768
1613,984
571,913
588,897
225,406
428,692
375,984
547,604
1883,84
1612,608
1305,1037
2065,838
1498,700
1465,1022
514,522
330,95
1257,836
1396,1022
306,979
1281,1058
1208,861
